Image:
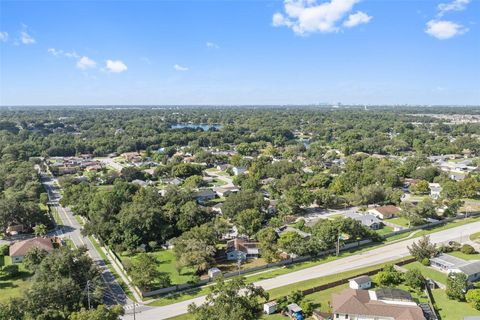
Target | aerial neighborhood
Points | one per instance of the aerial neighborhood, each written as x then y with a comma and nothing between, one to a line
324,214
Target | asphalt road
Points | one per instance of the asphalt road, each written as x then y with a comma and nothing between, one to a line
372,257
70,228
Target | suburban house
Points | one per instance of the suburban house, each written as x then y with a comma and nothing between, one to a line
132,156
382,304
281,230
368,220
238,249
205,195
18,250
385,212
238,170
448,263
225,191
361,282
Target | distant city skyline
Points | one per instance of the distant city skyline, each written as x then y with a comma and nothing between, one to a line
289,52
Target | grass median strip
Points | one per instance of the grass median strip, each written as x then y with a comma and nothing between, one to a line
112,269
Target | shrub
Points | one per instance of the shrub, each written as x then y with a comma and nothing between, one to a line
10,270
4,250
426,261
153,245
473,297
467,249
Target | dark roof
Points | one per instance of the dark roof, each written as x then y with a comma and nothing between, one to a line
393,294
361,279
206,193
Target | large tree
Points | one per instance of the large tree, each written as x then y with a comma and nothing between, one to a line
232,299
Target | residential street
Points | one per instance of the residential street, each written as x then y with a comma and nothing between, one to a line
71,229
364,259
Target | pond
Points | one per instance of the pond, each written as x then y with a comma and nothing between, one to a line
203,126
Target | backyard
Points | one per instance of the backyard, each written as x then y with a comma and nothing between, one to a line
451,309
167,264
13,287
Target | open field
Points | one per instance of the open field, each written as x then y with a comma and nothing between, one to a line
14,287
167,264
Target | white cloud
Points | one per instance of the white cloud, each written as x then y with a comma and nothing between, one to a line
180,68
86,63
307,16
61,53
455,5
116,66
3,36
357,18
55,52
212,45
25,38
442,29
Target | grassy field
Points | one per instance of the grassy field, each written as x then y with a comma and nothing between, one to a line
401,221
428,272
461,255
14,287
111,269
451,309
475,236
384,230
167,264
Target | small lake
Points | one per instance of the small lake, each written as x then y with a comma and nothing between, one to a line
203,126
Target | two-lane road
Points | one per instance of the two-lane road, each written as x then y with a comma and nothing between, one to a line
71,229
364,259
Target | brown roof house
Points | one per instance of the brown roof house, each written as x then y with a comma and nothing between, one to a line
19,249
385,212
382,304
239,249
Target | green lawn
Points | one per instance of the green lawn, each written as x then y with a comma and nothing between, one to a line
461,255
428,272
14,287
384,230
401,221
451,309
475,236
167,264
122,284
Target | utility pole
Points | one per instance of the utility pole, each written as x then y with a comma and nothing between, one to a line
338,242
134,303
88,294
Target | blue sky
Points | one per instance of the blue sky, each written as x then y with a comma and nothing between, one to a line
239,52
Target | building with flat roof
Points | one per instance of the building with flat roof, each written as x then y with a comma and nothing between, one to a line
448,263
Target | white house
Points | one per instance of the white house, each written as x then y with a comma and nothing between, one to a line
362,282
238,170
447,263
